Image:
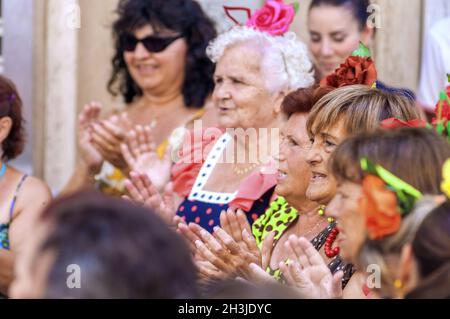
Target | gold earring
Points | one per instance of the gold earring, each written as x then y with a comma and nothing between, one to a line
398,284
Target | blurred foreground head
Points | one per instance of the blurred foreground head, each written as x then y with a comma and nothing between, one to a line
91,246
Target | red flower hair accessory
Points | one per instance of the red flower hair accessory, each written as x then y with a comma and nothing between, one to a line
358,68
385,199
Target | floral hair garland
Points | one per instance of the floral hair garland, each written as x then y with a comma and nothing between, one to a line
274,18
385,199
441,121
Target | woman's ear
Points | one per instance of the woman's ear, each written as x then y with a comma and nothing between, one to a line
367,35
407,270
5,128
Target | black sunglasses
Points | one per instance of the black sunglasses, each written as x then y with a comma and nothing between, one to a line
151,43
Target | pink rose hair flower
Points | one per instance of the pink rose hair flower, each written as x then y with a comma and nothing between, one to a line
274,18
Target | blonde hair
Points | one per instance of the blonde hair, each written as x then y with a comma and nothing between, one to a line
362,109
377,252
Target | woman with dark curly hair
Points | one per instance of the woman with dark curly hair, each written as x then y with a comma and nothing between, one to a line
21,196
161,70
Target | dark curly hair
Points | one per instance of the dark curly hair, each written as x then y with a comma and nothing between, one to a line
184,16
11,106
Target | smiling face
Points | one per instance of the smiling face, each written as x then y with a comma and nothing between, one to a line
293,172
159,72
334,35
322,185
344,208
240,94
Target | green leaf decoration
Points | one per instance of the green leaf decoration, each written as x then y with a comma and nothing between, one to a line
440,128
448,77
296,6
362,51
406,194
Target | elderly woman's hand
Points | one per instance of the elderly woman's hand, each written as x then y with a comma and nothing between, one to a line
107,137
219,249
142,191
89,154
308,273
257,271
234,222
139,152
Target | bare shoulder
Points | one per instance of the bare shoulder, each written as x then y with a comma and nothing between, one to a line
33,191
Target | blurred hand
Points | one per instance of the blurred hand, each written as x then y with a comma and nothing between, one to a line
139,152
142,191
107,137
308,272
219,249
89,154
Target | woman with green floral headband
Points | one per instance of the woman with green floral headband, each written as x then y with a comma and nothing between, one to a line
380,176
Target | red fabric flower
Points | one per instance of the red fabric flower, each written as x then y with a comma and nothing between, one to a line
355,70
274,18
445,113
379,206
393,123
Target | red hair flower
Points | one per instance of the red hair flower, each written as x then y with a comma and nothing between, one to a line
379,206
355,70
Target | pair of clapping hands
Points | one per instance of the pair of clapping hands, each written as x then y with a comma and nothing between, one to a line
231,251
127,147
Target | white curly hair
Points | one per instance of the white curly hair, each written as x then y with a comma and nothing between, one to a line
286,64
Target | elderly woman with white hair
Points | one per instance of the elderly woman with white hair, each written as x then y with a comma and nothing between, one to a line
254,72
231,166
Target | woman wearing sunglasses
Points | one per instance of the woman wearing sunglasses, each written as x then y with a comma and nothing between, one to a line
161,70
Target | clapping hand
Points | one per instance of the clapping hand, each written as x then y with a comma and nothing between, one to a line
139,152
142,190
107,137
308,273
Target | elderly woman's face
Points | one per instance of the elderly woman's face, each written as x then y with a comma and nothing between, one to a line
293,172
240,94
344,208
322,185
158,72
334,34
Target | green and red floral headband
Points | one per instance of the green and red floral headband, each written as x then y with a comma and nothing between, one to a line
386,198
